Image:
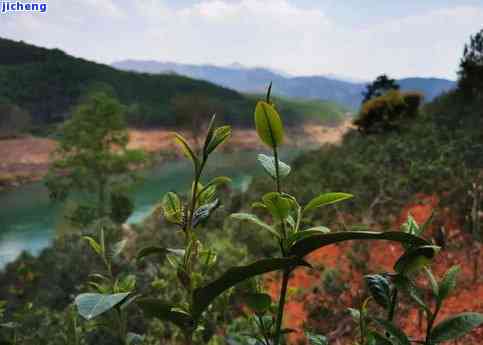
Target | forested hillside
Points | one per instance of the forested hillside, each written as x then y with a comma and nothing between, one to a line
48,82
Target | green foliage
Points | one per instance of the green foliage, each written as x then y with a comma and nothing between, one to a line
379,87
47,83
388,112
471,69
93,158
13,120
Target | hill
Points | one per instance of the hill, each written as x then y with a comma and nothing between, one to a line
48,82
342,91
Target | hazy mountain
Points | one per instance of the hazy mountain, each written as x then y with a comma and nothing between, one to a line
344,90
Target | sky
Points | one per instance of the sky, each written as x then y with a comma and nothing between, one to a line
352,38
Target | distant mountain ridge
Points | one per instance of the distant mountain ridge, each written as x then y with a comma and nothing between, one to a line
342,90
48,83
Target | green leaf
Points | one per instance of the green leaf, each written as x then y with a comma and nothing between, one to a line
326,199
186,149
172,208
91,305
134,339
155,308
258,302
268,124
379,288
161,251
220,135
448,283
404,284
217,181
318,230
203,296
278,204
117,248
456,326
202,214
268,163
432,282
93,244
255,220
309,244
399,337
316,339
415,259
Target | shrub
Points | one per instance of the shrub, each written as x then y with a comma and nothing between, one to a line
388,112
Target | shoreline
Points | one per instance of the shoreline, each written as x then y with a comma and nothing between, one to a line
26,159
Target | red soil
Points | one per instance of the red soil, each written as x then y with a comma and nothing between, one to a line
308,295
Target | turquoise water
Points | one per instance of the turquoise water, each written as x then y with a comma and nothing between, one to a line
28,219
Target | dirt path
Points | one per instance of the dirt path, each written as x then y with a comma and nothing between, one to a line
27,159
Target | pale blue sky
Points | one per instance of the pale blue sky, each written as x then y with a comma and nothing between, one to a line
356,38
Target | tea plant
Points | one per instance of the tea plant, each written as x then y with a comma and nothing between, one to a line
112,294
287,214
384,289
192,261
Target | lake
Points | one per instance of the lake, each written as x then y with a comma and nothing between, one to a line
28,219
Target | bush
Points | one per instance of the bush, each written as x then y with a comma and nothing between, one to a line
13,120
388,112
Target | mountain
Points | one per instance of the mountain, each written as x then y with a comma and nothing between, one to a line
48,82
342,90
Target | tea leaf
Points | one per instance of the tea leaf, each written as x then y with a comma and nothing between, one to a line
134,339
307,233
91,305
186,149
278,204
255,220
220,135
268,164
172,208
163,311
258,302
93,244
309,244
399,337
202,297
268,124
159,251
204,212
326,199
380,289
456,326
448,283
415,259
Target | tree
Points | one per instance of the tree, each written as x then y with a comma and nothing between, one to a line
92,158
193,113
388,112
471,69
379,87
13,120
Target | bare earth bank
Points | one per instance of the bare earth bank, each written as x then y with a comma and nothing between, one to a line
27,159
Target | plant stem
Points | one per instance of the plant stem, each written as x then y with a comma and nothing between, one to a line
431,319
277,169
390,315
281,306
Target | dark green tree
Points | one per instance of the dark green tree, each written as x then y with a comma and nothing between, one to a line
471,69
92,158
379,87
